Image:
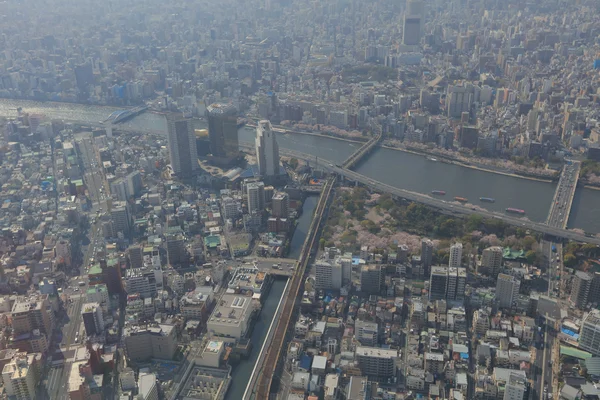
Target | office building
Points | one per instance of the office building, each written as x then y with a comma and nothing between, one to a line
459,100
376,363
438,283
231,316
267,150
516,387
491,259
136,256
580,292
589,334
92,319
457,281
455,255
371,279
426,253
182,146
413,23
134,183
121,218
33,312
143,342
176,252
328,275
507,289
366,332
98,294
143,281
256,196
222,130
280,204
118,188
20,377
147,386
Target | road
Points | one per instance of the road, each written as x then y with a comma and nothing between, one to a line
563,197
449,207
73,333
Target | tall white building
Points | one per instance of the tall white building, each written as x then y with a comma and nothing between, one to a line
455,255
507,289
19,377
328,275
182,146
516,387
256,196
589,334
267,150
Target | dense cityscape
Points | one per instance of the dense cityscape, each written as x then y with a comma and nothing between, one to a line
300,200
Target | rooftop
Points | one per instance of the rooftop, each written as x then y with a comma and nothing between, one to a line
376,352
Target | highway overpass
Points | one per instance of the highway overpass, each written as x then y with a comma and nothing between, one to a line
448,207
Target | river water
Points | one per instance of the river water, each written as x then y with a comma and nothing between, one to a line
405,170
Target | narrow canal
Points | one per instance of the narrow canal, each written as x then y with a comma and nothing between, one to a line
242,372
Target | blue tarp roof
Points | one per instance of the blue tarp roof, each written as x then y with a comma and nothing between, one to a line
570,333
464,356
305,362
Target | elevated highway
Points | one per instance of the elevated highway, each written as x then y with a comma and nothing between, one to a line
259,386
448,207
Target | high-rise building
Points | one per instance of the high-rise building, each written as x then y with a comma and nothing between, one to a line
93,321
582,284
33,312
267,150
118,188
371,279
121,218
280,205
375,362
516,387
136,256
457,281
147,386
459,99
426,252
455,255
134,183
150,341
256,196
20,377
182,146
507,289
222,130
438,283
366,332
328,275
589,334
413,22
491,259
175,249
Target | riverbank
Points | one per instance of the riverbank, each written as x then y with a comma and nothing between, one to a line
480,167
284,130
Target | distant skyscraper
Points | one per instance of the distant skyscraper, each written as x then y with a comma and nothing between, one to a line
507,289
222,130
413,23
455,255
459,100
182,146
267,150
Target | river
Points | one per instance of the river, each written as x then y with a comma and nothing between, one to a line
405,170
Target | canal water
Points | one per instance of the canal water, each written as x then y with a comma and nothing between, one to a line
396,168
242,372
